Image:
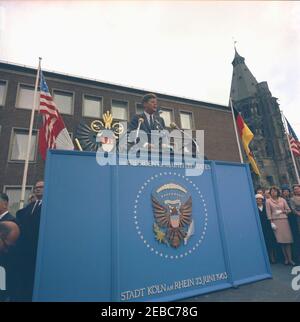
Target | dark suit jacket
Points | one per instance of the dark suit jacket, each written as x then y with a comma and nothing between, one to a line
8,217
29,222
158,124
28,219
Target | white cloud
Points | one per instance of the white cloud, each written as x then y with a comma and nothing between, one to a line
182,48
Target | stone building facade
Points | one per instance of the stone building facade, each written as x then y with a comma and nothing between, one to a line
262,114
84,100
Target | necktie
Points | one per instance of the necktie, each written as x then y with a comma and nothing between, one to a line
151,122
35,205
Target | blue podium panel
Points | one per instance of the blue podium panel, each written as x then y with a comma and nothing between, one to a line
243,234
152,270
74,252
141,233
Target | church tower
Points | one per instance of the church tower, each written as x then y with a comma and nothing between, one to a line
261,112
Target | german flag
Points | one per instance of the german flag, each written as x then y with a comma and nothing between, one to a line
246,137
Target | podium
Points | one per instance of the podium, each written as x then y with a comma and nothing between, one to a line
145,233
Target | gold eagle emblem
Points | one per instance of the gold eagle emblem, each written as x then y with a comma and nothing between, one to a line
172,220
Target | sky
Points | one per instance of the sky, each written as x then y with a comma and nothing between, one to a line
182,48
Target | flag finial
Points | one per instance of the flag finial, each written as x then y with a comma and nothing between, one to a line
234,43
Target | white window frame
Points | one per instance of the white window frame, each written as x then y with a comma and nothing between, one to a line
136,107
18,95
82,105
192,119
5,91
67,92
13,130
169,109
124,101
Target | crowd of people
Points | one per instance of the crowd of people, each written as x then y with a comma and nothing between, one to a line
18,245
279,212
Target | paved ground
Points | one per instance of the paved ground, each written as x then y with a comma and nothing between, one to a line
278,289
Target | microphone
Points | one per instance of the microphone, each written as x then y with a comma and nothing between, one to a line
173,125
158,125
141,120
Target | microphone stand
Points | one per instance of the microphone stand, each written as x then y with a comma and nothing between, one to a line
174,125
141,120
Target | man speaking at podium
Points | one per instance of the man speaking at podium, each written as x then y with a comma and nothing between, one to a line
149,120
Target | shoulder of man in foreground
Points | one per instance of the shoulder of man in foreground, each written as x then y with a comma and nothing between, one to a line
25,210
8,217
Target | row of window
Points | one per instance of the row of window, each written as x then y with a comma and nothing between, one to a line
92,105
18,144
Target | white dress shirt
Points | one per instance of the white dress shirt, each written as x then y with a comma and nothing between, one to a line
37,204
148,117
1,216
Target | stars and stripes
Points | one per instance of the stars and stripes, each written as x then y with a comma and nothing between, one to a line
53,133
294,142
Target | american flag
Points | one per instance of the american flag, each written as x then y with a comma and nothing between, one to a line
53,133
294,142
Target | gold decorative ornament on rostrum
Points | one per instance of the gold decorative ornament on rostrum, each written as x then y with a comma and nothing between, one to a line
89,137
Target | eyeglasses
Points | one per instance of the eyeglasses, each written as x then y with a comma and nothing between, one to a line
39,187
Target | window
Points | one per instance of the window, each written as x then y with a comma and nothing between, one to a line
19,145
139,108
167,116
63,101
119,110
14,196
186,120
92,106
2,92
25,97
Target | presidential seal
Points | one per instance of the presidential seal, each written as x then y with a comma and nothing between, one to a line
170,215
172,208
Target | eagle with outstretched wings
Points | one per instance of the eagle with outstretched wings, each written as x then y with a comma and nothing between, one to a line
175,220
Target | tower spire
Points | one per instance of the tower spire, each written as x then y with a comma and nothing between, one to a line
243,83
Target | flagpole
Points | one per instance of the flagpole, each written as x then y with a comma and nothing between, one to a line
288,139
34,108
236,133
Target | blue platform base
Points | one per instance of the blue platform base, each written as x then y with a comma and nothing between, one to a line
101,241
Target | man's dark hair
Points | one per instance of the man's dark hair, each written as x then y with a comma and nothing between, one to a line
148,97
4,197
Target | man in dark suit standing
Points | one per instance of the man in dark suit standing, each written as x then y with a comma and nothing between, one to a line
149,120
29,221
4,214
